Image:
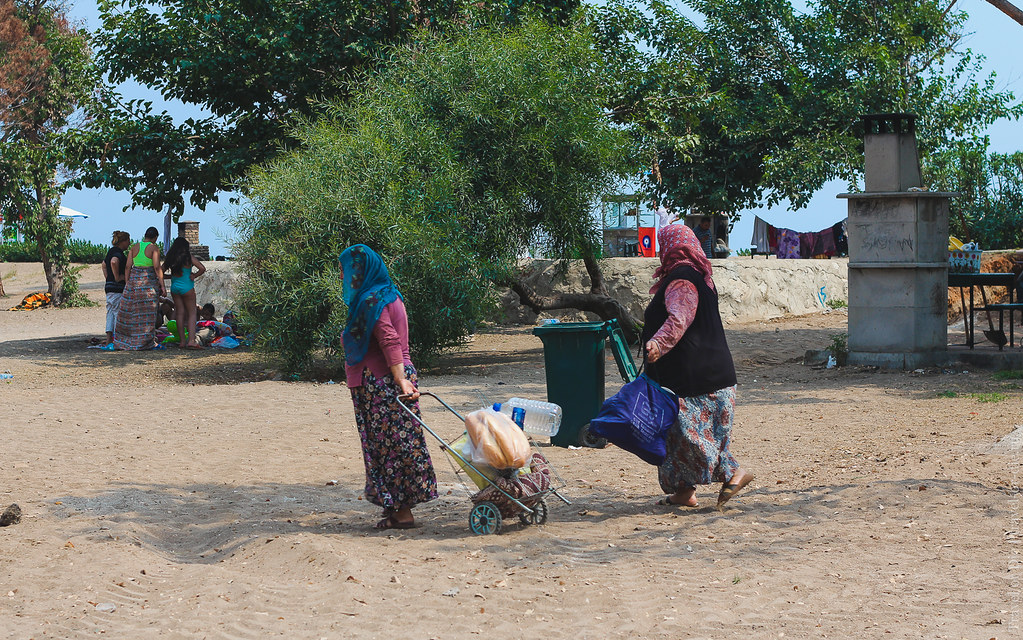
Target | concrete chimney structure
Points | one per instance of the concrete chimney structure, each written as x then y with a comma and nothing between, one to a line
898,260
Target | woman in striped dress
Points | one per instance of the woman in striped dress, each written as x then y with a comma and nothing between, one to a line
135,329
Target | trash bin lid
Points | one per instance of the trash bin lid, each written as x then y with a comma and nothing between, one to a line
569,327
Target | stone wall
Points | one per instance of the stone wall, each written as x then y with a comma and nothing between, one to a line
749,288
217,285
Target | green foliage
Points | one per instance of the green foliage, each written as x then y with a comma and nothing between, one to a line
448,161
948,394
744,101
19,252
839,348
992,396
74,297
991,193
253,66
1010,374
80,251
85,252
837,304
38,97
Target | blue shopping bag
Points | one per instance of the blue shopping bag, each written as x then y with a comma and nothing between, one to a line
637,418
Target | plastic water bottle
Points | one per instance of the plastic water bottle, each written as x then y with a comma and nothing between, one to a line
533,416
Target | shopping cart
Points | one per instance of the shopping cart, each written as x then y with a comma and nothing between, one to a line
521,494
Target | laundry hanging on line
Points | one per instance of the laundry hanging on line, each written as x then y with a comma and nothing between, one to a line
786,243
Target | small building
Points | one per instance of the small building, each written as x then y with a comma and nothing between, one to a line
621,217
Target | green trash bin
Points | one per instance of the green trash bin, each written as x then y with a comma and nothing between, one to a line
573,355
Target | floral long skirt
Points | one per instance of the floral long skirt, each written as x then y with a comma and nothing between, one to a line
399,472
697,444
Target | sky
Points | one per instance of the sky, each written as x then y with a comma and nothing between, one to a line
992,34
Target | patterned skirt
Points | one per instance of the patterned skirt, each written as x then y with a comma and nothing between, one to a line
135,329
697,445
399,472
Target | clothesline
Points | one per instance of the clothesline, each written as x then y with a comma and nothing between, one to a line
786,243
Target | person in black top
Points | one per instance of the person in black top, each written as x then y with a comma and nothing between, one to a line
113,272
687,353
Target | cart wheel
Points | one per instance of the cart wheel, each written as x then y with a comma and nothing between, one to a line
539,515
485,518
587,439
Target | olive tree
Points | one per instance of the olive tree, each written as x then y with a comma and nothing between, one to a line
452,158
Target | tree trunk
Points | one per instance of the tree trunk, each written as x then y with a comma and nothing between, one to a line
597,286
1008,9
2,293
603,305
54,268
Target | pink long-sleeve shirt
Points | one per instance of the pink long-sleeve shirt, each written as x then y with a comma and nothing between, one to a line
387,347
681,299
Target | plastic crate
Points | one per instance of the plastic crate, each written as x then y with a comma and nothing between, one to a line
964,261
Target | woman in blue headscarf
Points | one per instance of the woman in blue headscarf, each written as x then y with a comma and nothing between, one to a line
399,472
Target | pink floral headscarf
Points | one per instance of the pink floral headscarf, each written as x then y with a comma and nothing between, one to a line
679,247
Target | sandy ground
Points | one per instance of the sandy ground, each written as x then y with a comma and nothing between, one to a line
186,495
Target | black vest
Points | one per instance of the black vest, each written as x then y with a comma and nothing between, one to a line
112,285
700,363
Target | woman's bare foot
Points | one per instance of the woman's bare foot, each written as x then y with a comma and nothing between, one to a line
685,497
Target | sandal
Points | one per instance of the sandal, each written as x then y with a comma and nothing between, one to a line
390,523
729,489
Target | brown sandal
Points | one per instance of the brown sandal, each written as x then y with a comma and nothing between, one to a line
729,489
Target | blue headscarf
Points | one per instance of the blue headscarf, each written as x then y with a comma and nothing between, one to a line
366,289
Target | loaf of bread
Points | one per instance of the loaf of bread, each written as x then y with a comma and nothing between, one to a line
497,440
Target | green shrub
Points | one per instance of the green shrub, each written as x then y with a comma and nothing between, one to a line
19,252
85,252
81,251
839,348
461,152
1010,374
991,396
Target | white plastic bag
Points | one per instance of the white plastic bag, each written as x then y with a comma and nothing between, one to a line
496,440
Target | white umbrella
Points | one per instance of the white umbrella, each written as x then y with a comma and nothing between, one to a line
67,212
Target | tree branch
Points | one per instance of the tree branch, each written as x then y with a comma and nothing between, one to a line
1008,9
604,306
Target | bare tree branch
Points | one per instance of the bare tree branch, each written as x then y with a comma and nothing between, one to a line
1008,9
604,306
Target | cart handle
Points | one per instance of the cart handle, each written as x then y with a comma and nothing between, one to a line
432,395
445,447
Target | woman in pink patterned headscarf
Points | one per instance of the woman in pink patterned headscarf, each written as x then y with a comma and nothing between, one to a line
686,352
679,246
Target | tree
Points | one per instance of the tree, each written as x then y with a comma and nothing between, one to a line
252,67
761,102
1008,9
449,160
989,209
46,74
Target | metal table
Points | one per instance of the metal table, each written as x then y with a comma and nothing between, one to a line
981,280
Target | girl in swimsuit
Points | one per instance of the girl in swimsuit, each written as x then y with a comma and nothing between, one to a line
179,262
